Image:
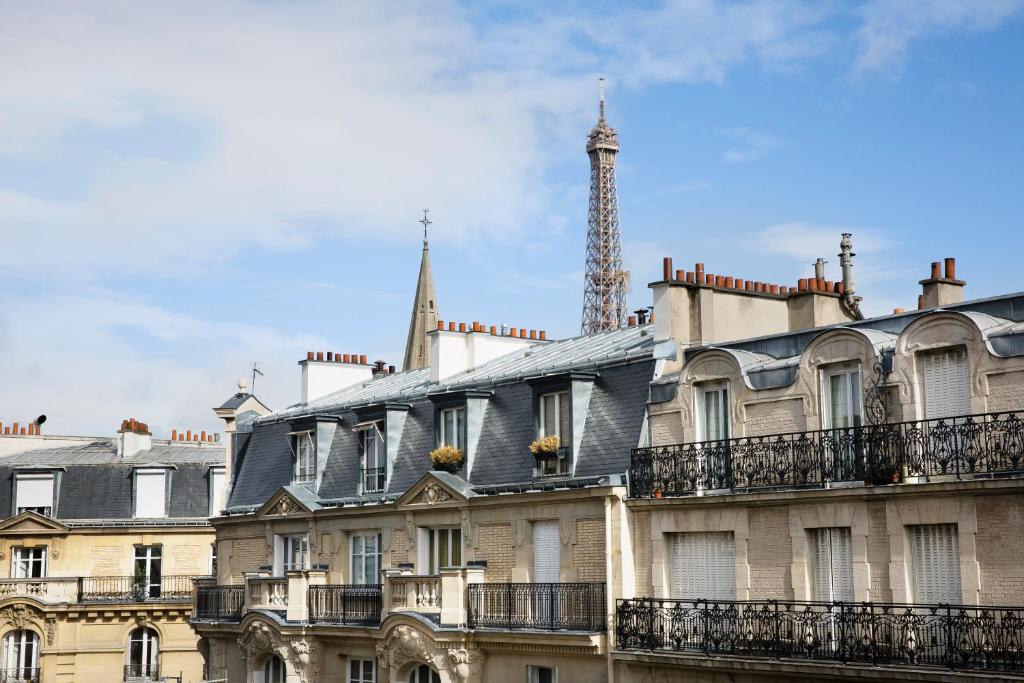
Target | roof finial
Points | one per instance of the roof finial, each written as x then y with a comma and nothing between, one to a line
601,80
425,221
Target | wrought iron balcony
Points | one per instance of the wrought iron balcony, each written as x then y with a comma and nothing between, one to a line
24,674
141,672
345,604
219,603
374,479
543,606
963,446
171,588
958,637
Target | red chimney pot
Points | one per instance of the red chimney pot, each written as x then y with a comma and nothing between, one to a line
666,268
543,335
362,359
950,268
936,272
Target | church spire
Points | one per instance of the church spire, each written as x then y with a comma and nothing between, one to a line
424,310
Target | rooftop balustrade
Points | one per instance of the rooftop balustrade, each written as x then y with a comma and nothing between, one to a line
959,447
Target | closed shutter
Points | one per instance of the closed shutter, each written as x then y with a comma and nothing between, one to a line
833,565
546,557
946,386
150,494
35,491
936,563
216,492
704,566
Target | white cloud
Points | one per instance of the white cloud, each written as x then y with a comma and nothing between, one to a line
807,241
890,26
748,144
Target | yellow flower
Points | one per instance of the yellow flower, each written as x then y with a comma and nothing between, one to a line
446,455
545,444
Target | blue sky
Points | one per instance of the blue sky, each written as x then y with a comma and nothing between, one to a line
185,189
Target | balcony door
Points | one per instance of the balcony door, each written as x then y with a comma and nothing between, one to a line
842,414
373,456
546,552
712,429
444,549
143,654
832,568
148,566
21,656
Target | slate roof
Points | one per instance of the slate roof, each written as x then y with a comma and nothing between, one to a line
97,484
622,360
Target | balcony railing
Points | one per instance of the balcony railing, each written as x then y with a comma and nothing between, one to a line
171,588
219,602
374,479
345,604
969,445
952,636
267,593
545,606
25,674
48,589
141,672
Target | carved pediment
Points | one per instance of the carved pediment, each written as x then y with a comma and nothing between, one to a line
431,489
283,503
32,524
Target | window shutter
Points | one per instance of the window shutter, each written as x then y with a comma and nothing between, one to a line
704,566
150,493
946,385
35,491
546,552
216,492
936,564
833,565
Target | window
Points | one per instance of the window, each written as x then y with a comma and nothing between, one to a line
305,458
832,565
935,560
541,674
143,654
445,549
28,563
362,671
296,553
712,412
371,454
216,491
554,419
946,385
424,674
273,671
213,559
21,656
147,576
366,558
842,395
546,552
150,493
704,566
34,493
452,428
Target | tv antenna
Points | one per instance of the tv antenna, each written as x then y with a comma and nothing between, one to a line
255,371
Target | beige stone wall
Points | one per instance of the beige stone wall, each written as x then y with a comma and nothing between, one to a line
775,417
246,555
769,553
399,547
642,551
878,553
1000,551
1005,391
588,554
495,546
666,428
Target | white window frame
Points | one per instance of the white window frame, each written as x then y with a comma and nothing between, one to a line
44,510
25,558
854,394
149,641
703,570
360,558
432,549
922,594
923,359
304,449
372,434
833,538
290,541
217,480
533,672
141,500
360,677
559,465
213,559
150,556
724,391
19,657
458,416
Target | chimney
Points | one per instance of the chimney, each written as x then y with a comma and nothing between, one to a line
322,377
942,288
133,437
456,351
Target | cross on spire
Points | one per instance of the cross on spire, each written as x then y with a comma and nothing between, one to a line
425,221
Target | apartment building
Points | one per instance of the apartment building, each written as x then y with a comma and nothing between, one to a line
100,544
831,503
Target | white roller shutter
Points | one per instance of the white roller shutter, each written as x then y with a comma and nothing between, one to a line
150,493
216,491
35,490
946,384
546,552
936,563
704,566
833,565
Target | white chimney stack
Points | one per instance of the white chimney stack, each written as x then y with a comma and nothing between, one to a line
133,437
325,374
462,348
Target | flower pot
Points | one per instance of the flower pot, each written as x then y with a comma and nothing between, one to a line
546,455
657,494
447,467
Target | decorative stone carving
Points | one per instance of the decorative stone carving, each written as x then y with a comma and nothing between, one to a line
285,506
305,656
407,644
258,639
20,615
519,529
410,645
432,494
410,532
465,666
51,630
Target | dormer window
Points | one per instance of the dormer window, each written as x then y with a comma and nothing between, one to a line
372,456
34,493
305,458
554,419
452,428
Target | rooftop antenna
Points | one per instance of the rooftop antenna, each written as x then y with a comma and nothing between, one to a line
425,221
601,80
255,371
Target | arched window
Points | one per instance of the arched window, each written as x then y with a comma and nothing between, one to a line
273,670
424,674
143,656
21,656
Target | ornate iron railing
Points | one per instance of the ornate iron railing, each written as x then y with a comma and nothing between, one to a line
543,606
24,674
141,672
374,479
951,636
969,445
219,602
346,604
171,588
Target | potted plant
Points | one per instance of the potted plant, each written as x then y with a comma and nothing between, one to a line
545,448
446,458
